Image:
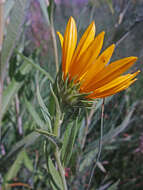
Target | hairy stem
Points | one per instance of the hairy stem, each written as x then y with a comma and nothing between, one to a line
61,169
57,153
57,124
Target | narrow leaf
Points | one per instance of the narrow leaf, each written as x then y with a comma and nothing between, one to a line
7,8
12,89
25,142
36,66
58,110
71,141
14,29
34,114
44,109
51,137
55,174
66,140
44,132
28,162
90,153
114,186
12,172
44,10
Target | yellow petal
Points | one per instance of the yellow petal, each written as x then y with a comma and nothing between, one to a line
118,81
69,44
88,57
98,66
61,38
112,91
111,72
84,42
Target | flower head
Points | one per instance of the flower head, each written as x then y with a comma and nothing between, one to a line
85,65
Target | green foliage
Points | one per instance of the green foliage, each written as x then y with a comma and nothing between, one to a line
69,141
52,140
12,89
55,175
44,110
34,115
13,30
15,168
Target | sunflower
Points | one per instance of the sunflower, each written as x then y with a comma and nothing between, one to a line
84,64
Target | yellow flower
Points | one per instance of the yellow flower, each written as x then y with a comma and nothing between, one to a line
85,65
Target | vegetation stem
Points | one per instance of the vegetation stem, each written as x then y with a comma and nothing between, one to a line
57,125
61,169
57,155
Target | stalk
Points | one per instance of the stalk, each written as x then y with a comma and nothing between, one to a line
57,125
58,121
61,169
1,42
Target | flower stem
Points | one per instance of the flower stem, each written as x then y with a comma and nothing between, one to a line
57,156
57,124
61,169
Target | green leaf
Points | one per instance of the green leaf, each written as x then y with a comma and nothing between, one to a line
50,8
114,186
81,132
7,8
92,150
12,172
34,114
14,29
58,117
115,132
44,10
54,173
27,162
12,89
44,109
44,132
36,66
51,137
88,159
69,140
54,187
66,140
58,110
25,142
109,2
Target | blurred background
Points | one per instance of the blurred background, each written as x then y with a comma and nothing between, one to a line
121,162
